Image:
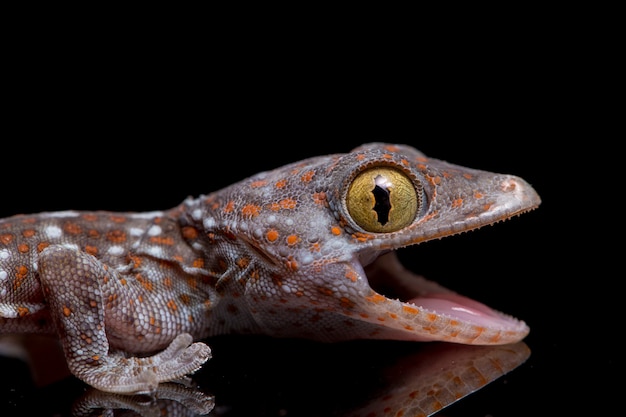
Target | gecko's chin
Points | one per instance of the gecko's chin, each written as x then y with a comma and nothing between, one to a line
389,278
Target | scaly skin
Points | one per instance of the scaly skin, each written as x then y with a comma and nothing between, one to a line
305,250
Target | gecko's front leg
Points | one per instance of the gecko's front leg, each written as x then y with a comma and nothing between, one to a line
73,283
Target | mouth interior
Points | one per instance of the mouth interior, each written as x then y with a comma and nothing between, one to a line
389,278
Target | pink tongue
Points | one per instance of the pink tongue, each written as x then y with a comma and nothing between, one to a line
462,308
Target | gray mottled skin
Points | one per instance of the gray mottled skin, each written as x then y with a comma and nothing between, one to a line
285,253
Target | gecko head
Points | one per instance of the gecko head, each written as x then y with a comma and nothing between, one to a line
393,197
325,251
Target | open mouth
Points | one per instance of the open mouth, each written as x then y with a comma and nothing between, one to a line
426,310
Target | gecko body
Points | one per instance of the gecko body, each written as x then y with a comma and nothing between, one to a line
304,250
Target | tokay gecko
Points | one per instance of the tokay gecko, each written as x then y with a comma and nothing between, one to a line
306,250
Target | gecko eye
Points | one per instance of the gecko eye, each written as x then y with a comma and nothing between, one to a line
382,200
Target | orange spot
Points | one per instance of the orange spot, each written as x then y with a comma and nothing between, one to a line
292,239
92,250
117,219
23,248
172,305
315,247
291,264
66,311
457,202
229,206
281,183
375,298
20,275
360,157
41,246
257,184
198,263
410,310
184,298
486,207
431,317
335,230
242,262
93,233
144,282
446,174
391,148
72,228
387,156
362,237
319,198
23,311
307,176
136,261
6,238
90,217
478,195
190,232
160,240
468,176
116,236
250,210
28,233
352,275
271,235
288,203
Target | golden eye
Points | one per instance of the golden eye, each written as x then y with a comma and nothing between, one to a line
382,200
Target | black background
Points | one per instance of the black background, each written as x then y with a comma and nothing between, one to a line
140,124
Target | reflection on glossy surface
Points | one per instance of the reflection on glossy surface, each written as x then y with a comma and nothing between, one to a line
355,379
260,376
170,400
424,383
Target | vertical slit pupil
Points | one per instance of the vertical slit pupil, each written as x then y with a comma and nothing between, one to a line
382,204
